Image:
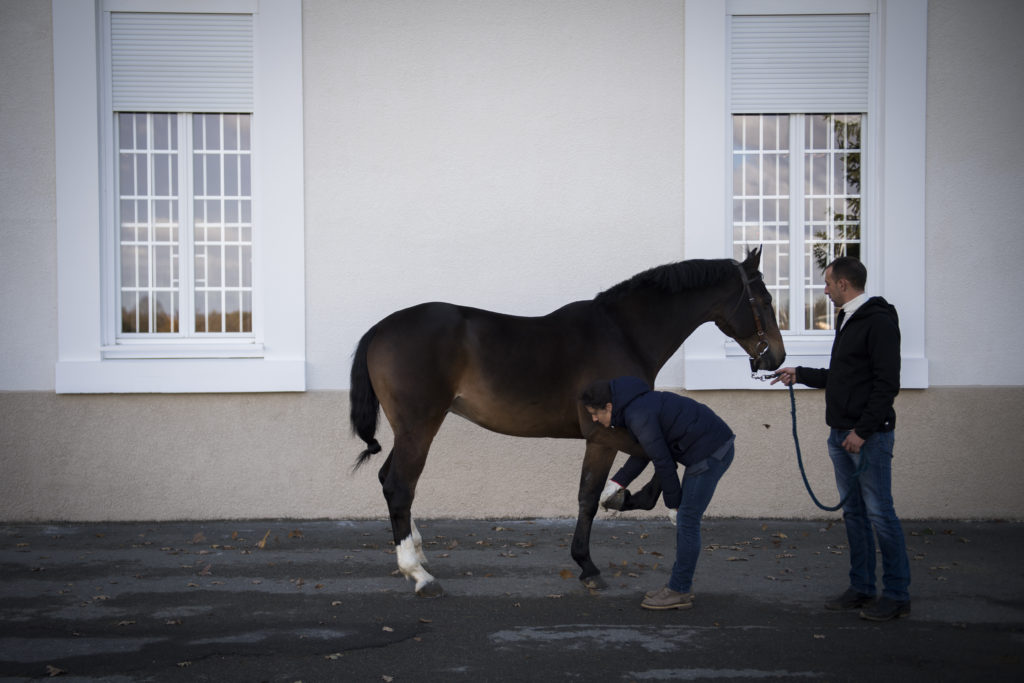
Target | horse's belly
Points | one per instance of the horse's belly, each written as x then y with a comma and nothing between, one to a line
517,420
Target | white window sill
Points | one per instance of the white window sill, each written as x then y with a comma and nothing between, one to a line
165,351
126,375
795,346
729,369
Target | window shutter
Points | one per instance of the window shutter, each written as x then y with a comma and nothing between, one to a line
182,62
799,63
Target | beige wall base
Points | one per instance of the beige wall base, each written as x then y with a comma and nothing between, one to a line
151,457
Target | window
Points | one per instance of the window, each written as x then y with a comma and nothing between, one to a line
798,100
171,217
180,186
804,134
191,170
822,153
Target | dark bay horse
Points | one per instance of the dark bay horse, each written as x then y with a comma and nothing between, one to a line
523,375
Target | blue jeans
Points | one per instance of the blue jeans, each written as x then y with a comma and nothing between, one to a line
869,511
699,482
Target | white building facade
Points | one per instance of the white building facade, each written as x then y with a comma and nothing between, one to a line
203,207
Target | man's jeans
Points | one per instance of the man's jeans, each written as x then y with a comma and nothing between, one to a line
869,511
699,482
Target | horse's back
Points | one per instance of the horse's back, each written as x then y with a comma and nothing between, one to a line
411,337
424,316
437,320
445,332
508,373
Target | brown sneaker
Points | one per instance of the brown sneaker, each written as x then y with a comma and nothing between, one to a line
651,594
666,598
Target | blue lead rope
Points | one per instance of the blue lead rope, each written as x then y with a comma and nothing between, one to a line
800,461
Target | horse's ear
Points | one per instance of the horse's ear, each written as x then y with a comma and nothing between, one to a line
753,260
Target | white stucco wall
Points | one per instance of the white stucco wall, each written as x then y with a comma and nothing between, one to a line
975,192
514,156
28,231
520,155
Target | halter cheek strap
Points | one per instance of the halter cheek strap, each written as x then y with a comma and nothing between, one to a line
762,338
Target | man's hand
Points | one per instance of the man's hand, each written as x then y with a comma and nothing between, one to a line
852,442
785,375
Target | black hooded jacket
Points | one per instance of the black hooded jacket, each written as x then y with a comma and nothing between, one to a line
863,376
672,429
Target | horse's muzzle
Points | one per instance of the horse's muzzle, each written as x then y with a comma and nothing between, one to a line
765,359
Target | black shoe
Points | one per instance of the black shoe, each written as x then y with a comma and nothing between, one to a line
851,599
886,609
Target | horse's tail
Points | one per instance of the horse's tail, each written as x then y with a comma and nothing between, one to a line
364,406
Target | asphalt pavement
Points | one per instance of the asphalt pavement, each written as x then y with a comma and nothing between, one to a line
272,600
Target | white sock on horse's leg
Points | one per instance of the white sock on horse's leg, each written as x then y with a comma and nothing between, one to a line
417,541
409,563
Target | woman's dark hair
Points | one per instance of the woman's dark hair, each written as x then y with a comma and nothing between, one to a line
597,395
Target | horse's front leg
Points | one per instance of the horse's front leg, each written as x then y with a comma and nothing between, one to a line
602,445
596,464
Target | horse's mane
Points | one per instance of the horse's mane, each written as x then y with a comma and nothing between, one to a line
674,277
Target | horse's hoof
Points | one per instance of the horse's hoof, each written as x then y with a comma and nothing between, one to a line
430,590
594,583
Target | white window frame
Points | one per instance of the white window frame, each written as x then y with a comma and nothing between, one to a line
796,243
894,232
90,357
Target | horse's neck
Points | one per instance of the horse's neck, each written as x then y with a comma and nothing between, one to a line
658,324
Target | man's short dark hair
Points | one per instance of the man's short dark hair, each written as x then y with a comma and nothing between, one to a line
851,269
597,395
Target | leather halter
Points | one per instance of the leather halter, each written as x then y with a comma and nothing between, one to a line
762,338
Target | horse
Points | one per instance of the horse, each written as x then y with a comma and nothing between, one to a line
523,376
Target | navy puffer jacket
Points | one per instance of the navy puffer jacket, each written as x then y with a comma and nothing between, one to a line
673,430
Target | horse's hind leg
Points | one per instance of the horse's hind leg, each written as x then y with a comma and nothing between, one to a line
596,464
398,478
417,539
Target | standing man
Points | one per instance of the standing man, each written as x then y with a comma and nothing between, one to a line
674,430
860,384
